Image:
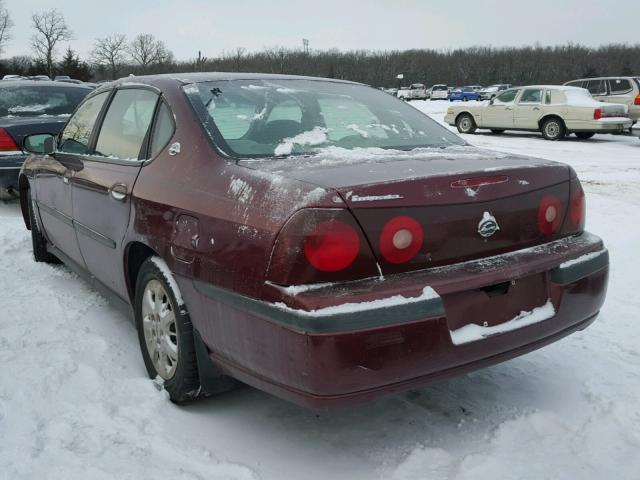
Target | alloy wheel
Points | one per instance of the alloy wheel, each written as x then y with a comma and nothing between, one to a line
159,328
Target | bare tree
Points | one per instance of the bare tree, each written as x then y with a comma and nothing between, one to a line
5,26
111,52
51,29
146,50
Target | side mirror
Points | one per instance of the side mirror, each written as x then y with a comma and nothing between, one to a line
40,143
491,101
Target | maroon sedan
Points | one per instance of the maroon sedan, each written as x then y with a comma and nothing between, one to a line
317,239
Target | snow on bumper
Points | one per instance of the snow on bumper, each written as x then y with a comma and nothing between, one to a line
350,342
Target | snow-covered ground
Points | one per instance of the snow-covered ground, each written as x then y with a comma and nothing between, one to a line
75,402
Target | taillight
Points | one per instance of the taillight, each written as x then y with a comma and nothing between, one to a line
7,144
578,207
401,239
320,245
637,100
597,114
549,214
332,246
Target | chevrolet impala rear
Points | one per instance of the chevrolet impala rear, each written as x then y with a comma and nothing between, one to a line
403,255
317,239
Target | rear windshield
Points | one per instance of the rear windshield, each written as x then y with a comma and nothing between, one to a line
266,118
439,87
40,100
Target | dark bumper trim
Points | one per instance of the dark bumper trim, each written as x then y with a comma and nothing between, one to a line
330,323
577,271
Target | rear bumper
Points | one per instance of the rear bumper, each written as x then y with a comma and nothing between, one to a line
319,356
603,125
10,166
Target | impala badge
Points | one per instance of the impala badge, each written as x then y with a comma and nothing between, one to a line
488,225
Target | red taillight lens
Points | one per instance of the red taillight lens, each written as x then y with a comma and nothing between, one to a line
597,114
578,208
549,215
7,144
320,245
401,239
637,100
332,246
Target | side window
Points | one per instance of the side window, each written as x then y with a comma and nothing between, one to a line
126,124
531,96
163,129
508,96
547,97
576,83
76,135
596,87
619,86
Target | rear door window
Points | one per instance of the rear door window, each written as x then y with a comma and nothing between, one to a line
76,135
619,86
126,124
597,87
576,83
531,96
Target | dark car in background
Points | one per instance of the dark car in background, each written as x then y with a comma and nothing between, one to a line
317,239
28,107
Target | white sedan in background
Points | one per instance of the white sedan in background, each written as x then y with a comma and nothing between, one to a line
553,110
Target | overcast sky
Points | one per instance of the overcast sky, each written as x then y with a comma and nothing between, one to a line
214,26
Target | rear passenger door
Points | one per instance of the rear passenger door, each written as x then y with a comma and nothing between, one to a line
597,89
621,91
102,187
528,110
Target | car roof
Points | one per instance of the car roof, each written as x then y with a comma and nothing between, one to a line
40,83
196,77
610,77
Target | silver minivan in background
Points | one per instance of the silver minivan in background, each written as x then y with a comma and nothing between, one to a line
625,90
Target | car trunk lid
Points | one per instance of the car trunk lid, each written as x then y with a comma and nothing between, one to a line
469,203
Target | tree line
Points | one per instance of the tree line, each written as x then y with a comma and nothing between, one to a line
116,55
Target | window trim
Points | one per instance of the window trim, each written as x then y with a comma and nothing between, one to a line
154,123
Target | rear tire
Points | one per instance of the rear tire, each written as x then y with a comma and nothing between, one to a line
38,242
584,135
466,124
553,129
165,332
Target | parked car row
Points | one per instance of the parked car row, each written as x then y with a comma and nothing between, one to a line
240,220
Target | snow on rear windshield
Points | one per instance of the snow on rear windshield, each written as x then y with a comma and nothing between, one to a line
266,118
40,100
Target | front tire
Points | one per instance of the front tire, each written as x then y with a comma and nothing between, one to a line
165,332
584,135
466,124
38,242
553,129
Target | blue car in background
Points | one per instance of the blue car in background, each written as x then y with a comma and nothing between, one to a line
464,94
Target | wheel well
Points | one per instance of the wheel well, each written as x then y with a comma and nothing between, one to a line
136,254
544,119
23,190
463,113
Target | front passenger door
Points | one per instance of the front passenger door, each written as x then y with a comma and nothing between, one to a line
528,110
102,187
53,179
499,113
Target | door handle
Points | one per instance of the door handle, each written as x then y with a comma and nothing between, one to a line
508,108
536,108
118,192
